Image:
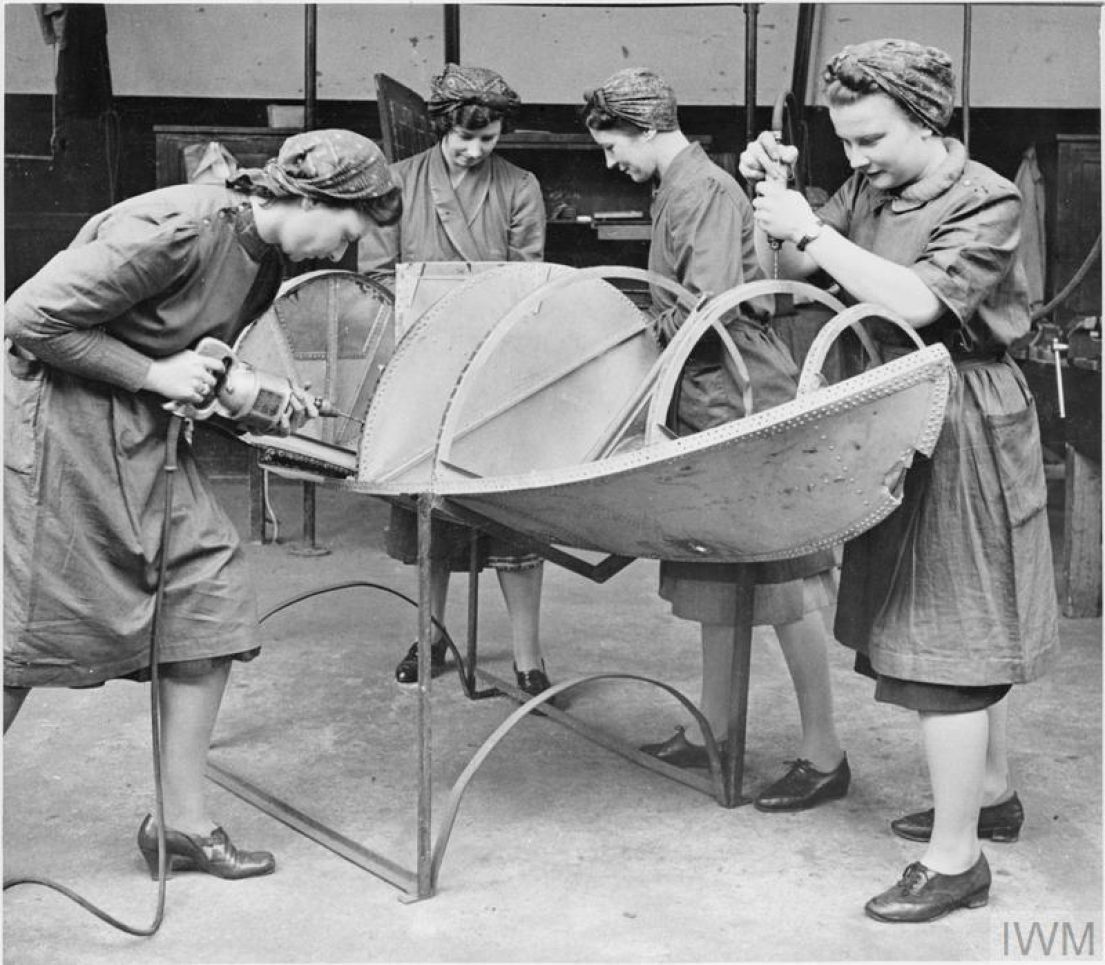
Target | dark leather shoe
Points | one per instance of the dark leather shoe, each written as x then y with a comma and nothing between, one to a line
925,895
532,682
804,787
998,822
680,752
407,671
213,854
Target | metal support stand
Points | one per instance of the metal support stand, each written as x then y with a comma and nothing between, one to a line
724,782
425,679
740,674
473,611
258,524
309,546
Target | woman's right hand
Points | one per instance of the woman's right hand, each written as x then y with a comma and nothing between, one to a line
767,159
185,377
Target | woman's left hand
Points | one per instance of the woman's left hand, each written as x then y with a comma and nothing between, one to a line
302,408
781,213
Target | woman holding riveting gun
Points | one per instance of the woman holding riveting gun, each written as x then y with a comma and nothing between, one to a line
951,599
97,342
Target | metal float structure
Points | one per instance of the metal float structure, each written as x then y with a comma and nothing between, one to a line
531,400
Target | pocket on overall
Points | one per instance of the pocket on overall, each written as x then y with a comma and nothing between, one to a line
1015,443
23,387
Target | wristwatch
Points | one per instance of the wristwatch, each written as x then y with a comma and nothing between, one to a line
812,235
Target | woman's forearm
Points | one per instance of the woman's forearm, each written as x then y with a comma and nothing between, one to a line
90,353
870,278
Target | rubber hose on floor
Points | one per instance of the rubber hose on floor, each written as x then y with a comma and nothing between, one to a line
170,468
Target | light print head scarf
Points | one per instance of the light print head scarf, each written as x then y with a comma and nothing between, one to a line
638,96
918,78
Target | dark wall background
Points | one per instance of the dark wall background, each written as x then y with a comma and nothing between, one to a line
113,156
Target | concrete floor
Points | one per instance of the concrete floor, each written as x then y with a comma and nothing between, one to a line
562,851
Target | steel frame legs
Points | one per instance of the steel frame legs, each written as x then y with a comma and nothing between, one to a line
724,783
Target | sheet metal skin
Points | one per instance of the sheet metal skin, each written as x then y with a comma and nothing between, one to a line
470,411
799,477
529,392
546,380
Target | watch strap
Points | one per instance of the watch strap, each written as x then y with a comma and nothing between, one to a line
813,235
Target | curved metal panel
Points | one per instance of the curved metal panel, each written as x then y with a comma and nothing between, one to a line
401,429
798,477
539,391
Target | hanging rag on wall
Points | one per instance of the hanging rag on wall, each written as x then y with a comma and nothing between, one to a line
79,30
1033,249
83,77
208,162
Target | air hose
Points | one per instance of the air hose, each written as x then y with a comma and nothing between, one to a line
156,631
1076,280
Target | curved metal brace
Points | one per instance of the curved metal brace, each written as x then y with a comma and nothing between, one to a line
469,690
811,379
685,298
696,324
448,427
462,782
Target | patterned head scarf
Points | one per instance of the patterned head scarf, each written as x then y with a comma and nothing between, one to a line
919,78
637,95
337,166
458,86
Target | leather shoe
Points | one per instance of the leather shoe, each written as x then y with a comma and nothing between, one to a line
407,671
532,682
214,854
925,895
680,752
804,787
998,822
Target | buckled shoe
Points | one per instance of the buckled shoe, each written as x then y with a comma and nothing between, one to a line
213,854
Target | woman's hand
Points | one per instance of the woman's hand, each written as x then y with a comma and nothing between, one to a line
781,213
765,159
302,407
185,377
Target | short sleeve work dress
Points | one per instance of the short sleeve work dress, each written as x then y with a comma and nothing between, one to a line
956,586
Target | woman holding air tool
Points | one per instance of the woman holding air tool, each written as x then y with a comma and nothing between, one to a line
97,342
950,600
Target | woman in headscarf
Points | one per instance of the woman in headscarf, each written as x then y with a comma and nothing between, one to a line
462,202
951,599
97,342
702,238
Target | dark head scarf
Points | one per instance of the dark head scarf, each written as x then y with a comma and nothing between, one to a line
637,95
458,86
339,167
919,78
